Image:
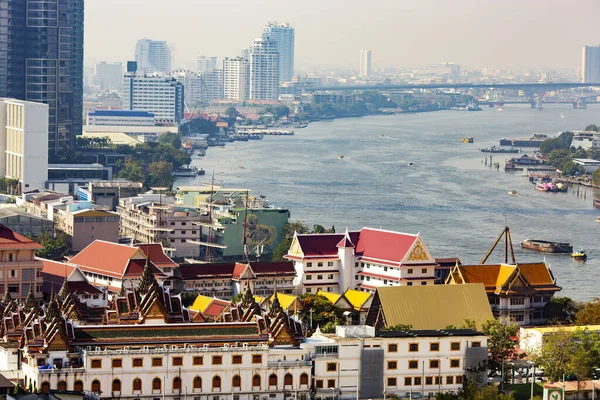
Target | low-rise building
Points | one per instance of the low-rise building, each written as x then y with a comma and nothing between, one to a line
363,260
360,362
226,280
532,338
585,139
20,221
518,292
154,218
120,118
589,165
108,193
419,306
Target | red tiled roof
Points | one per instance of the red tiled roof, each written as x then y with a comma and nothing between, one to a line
384,245
157,255
216,308
55,268
104,257
239,269
324,244
199,271
10,239
54,273
270,268
364,285
345,242
135,268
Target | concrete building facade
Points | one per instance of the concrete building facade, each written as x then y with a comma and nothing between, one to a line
153,56
284,35
365,63
235,79
164,97
590,64
109,76
24,142
264,70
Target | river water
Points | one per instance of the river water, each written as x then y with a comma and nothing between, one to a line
448,195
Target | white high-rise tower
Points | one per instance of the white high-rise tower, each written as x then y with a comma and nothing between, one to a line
264,70
153,56
284,35
235,79
365,63
590,68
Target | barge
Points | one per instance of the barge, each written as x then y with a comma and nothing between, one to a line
546,246
534,141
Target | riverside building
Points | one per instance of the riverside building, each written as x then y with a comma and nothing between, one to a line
284,35
163,97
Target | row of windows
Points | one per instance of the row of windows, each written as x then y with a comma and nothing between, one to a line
95,219
236,382
98,276
414,364
433,346
175,361
319,264
429,380
309,277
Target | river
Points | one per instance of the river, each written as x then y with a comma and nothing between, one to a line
456,203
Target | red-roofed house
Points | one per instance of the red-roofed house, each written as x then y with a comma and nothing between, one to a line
54,274
19,268
362,260
159,257
225,280
112,264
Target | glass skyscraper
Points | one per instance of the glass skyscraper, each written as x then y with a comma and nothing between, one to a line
41,60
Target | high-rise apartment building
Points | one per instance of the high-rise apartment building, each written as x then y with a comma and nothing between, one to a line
205,64
264,70
109,76
153,56
590,69
42,61
23,143
283,34
191,83
235,79
365,63
164,97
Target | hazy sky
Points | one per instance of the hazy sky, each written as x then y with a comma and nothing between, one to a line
493,33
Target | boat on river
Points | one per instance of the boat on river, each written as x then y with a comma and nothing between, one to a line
579,255
467,140
534,141
546,246
512,192
495,149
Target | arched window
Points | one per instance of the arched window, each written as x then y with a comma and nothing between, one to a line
304,379
62,385
236,381
288,380
78,386
197,382
216,383
156,383
272,380
176,383
116,385
256,381
137,384
45,387
96,386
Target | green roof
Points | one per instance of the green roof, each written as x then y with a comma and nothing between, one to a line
434,306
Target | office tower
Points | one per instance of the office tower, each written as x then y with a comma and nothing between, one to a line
211,85
42,61
153,57
365,63
191,83
109,76
24,143
283,34
164,97
205,64
235,79
264,70
590,69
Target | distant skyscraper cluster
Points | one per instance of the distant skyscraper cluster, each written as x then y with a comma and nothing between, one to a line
42,61
365,63
590,69
153,56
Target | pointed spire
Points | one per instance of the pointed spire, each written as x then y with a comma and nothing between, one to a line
122,292
64,290
147,280
248,298
275,306
30,302
52,309
6,299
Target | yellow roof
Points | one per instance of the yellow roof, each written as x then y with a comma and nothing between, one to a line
503,275
434,306
259,299
286,300
357,298
569,328
201,303
332,297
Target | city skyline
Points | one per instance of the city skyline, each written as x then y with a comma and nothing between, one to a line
519,35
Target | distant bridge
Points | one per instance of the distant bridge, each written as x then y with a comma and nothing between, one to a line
536,87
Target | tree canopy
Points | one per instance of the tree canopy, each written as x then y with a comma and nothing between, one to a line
324,313
560,310
502,341
589,314
54,248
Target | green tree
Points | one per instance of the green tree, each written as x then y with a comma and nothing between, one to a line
323,311
569,168
398,327
502,341
133,170
289,229
171,138
198,125
161,174
554,355
187,298
591,127
560,310
318,229
596,177
54,248
589,314
584,357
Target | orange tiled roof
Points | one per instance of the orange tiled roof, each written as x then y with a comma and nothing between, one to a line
536,274
10,239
